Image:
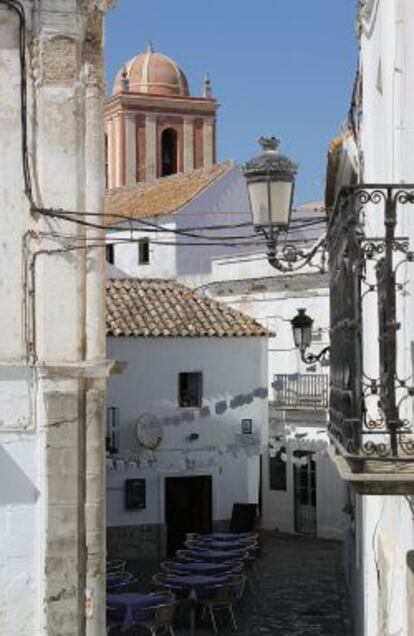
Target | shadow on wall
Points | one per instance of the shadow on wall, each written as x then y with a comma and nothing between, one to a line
218,408
15,486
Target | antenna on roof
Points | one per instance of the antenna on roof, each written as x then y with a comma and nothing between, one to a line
150,47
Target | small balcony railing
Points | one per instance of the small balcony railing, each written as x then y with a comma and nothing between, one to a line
300,391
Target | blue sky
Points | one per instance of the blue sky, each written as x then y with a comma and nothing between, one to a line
282,67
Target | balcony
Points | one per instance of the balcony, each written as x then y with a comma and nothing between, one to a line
371,405
300,391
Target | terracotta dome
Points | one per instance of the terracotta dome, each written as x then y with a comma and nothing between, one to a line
152,73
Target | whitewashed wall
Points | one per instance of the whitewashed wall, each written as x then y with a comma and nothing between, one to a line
279,505
52,549
384,525
248,283
162,251
231,367
224,202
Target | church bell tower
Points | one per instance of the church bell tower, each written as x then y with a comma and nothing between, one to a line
153,126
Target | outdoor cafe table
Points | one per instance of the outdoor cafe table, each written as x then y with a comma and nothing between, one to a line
198,567
220,545
190,586
131,603
240,540
226,536
217,556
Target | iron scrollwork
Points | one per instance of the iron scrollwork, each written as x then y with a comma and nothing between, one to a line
355,434
290,257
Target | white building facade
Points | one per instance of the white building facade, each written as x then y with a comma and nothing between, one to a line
381,530
302,491
52,341
193,458
163,216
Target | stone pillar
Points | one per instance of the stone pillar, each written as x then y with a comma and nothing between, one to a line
130,148
208,142
52,340
150,147
188,144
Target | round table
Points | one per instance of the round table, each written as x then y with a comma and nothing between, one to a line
198,567
190,585
217,556
131,603
226,536
222,545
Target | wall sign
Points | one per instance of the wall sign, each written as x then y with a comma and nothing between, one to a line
135,494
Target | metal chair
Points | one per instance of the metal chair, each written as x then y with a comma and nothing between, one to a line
118,581
224,597
160,619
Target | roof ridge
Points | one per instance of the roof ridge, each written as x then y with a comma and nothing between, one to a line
180,310
164,196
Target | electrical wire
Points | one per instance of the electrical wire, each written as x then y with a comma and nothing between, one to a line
67,215
17,7
154,227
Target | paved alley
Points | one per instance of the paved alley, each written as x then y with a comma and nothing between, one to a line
296,589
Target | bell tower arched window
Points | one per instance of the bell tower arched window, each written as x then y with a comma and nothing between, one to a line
169,151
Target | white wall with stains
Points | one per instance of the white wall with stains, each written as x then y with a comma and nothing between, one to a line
52,339
234,387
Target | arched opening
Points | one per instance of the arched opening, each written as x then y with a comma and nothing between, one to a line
168,152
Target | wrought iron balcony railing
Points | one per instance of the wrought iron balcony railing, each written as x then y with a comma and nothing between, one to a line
301,391
370,409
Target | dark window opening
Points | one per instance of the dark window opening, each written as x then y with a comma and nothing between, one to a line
110,254
169,152
190,390
143,251
277,471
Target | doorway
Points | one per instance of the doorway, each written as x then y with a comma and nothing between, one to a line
305,492
188,508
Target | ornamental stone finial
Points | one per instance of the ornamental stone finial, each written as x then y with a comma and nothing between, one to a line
207,85
269,143
125,80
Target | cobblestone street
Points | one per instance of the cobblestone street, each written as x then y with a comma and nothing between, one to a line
296,589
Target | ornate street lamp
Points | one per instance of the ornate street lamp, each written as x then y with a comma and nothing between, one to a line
271,181
302,336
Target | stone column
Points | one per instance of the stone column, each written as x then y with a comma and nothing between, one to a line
188,144
52,338
208,142
151,147
130,148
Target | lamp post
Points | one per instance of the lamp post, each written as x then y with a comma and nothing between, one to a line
271,182
302,336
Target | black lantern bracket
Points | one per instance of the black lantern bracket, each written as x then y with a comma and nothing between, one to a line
270,181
